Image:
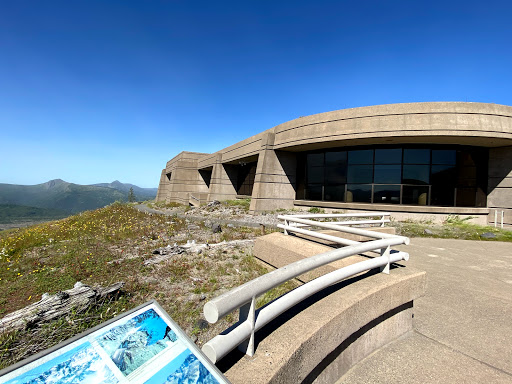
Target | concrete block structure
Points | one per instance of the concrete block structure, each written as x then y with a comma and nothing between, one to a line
417,160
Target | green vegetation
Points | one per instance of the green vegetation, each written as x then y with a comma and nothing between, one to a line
316,210
105,246
10,213
131,196
68,197
240,203
454,227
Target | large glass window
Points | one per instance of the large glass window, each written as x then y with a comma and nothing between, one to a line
415,175
359,193
360,173
386,194
387,174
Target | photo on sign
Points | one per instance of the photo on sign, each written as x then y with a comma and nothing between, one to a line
79,365
185,369
137,340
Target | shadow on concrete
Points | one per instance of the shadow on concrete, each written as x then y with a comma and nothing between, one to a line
234,356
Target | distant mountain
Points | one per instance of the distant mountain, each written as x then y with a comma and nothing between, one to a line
140,193
68,197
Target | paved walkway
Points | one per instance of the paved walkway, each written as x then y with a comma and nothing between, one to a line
463,325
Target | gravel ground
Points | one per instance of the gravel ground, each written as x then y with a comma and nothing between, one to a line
219,213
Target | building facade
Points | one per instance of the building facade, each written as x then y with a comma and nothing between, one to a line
417,160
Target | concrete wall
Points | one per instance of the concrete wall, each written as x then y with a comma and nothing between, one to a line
499,196
185,178
332,332
162,193
450,123
274,183
478,124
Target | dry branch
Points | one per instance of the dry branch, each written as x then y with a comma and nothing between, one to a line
51,307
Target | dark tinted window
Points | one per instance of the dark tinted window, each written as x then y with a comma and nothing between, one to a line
336,158
388,156
315,160
315,175
415,195
314,192
444,156
334,193
386,194
416,156
359,193
335,175
416,174
388,174
360,173
364,156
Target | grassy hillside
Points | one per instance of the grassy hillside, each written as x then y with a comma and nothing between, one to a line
109,245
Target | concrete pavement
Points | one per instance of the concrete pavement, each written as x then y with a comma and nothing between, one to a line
463,324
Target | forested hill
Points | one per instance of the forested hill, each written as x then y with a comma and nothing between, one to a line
68,197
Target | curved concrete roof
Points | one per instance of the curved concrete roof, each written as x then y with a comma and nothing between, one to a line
433,122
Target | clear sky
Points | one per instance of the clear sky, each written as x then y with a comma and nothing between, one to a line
93,91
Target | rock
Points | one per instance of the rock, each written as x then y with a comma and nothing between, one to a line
488,235
202,297
202,324
230,226
213,203
193,227
216,228
427,231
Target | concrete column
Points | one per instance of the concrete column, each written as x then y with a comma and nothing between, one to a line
275,180
500,185
223,181
162,187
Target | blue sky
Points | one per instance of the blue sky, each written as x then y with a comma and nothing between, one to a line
93,91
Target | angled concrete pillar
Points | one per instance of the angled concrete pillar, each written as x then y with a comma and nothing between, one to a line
223,181
162,187
275,180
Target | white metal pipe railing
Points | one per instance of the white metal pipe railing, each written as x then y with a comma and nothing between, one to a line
244,296
329,215
221,345
229,301
323,236
355,231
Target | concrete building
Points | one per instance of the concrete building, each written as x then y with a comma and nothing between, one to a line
417,160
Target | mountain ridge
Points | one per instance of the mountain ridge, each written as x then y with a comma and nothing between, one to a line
69,197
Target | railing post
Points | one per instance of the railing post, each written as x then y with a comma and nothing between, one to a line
382,218
385,252
248,314
287,223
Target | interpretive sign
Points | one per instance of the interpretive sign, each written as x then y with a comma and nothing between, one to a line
142,346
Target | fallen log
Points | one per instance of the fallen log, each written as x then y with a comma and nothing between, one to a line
51,307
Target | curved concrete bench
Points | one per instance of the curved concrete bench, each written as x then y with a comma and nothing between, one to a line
332,331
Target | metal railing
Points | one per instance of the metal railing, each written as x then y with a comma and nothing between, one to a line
244,296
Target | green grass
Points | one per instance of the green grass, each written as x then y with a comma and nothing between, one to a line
453,228
240,203
102,247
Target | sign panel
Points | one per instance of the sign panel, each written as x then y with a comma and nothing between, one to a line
142,346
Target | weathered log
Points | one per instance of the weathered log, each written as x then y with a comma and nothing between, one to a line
51,307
